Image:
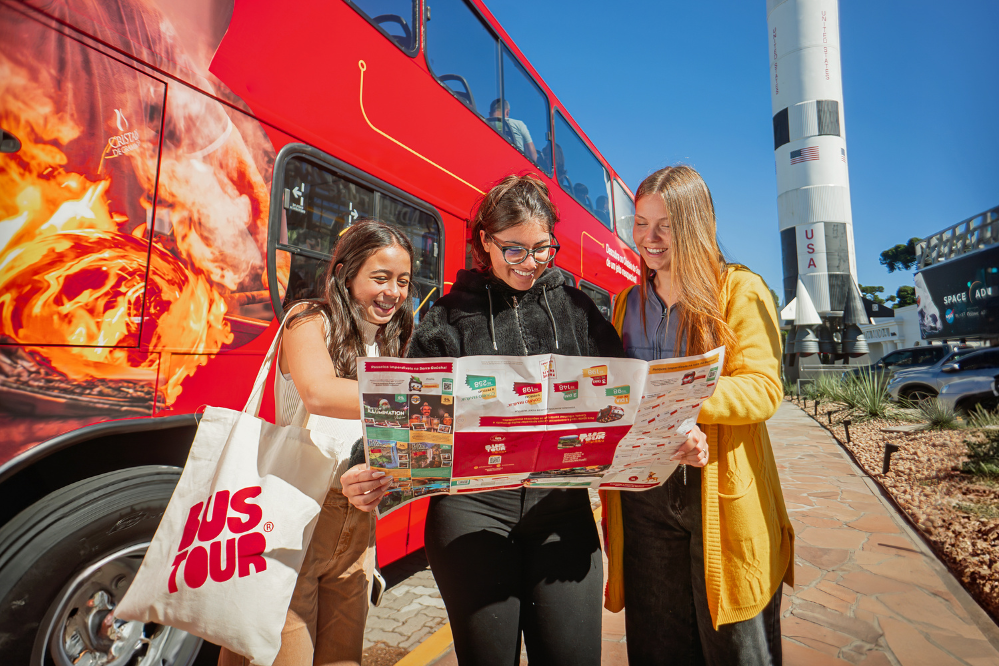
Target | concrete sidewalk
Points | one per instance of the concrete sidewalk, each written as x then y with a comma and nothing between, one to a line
868,590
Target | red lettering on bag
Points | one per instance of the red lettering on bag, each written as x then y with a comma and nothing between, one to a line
177,561
253,513
212,527
191,527
251,551
215,570
206,521
196,568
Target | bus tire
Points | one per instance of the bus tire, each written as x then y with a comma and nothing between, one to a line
67,560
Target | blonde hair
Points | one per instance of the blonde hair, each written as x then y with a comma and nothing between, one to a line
697,265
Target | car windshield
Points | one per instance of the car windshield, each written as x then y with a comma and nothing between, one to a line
959,354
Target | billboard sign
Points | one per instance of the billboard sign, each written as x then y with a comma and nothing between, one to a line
959,298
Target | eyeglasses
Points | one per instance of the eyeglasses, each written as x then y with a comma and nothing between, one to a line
517,254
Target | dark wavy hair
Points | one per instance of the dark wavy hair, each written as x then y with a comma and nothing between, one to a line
512,201
359,242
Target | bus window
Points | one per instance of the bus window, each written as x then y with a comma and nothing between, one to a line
320,203
599,296
580,173
462,54
624,214
524,121
570,279
397,19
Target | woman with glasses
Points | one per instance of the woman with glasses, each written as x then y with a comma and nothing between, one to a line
526,560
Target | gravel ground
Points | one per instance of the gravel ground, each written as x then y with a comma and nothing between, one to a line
957,513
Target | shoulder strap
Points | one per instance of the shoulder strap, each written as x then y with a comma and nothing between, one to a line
257,392
620,306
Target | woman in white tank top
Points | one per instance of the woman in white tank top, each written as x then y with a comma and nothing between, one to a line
364,310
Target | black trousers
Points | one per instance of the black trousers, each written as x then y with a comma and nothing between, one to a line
513,561
667,619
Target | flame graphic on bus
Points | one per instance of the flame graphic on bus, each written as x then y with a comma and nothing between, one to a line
67,267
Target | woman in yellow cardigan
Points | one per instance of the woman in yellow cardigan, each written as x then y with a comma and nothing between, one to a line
698,562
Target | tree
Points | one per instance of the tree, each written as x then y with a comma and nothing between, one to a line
871,294
906,296
901,256
776,299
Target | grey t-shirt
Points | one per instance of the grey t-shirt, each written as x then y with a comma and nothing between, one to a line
659,338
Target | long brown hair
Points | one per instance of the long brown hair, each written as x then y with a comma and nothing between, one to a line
697,265
359,242
512,201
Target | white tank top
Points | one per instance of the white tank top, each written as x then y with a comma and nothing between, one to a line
290,410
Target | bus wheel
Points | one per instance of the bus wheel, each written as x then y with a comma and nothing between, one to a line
66,562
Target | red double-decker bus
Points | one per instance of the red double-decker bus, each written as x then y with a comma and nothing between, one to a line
173,173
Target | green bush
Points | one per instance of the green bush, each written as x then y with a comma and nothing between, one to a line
983,456
790,388
828,387
937,413
981,417
867,393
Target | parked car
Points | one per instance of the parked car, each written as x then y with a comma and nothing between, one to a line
964,395
921,382
911,357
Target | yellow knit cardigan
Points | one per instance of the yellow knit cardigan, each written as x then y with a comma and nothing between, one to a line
748,538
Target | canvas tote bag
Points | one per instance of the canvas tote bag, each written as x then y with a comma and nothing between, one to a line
225,558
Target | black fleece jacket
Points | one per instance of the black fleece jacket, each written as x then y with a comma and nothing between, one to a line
483,315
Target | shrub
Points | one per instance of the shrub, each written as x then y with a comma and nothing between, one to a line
790,388
937,413
867,393
828,387
981,417
983,455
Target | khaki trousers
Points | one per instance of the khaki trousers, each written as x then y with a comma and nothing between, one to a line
325,624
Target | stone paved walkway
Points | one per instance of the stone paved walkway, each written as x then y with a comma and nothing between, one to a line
868,590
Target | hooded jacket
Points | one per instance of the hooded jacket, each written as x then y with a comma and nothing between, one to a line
484,316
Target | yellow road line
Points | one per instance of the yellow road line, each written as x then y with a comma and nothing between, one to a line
429,650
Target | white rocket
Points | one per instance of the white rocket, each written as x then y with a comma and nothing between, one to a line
813,186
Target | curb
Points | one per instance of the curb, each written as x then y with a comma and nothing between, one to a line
430,650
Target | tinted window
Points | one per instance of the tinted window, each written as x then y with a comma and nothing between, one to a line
396,18
463,54
927,355
897,358
580,173
319,204
524,120
570,279
624,214
981,361
599,296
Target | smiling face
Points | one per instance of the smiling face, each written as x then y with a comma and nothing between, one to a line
382,284
530,234
652,232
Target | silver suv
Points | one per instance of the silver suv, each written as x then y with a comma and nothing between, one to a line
919,383
903,359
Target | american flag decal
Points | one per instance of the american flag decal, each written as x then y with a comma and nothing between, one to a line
805,154
842,154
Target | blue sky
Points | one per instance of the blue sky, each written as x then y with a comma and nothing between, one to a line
656,83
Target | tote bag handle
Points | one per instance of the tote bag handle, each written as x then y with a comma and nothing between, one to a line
257,393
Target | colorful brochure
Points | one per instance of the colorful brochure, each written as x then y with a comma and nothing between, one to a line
459,425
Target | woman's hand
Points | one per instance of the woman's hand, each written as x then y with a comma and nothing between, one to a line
694,451
363,487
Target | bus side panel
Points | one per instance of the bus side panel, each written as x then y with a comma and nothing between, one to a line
75,200
417,523
392,532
